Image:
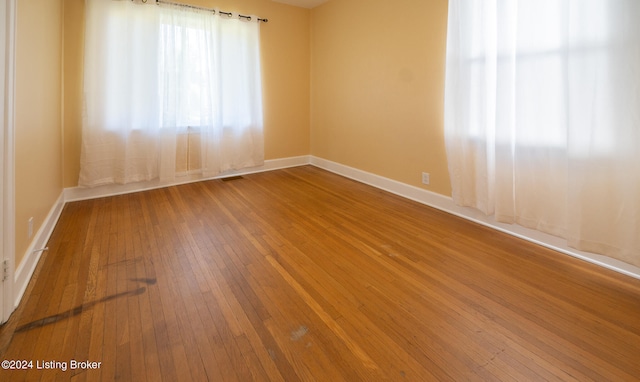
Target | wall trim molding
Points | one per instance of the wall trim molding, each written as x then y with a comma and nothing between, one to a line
32,256
7,153
81,193
30,260
27,266
446,204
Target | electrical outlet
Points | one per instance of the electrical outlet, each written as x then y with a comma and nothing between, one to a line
30,227
425,178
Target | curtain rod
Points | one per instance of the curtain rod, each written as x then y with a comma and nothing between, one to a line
228,14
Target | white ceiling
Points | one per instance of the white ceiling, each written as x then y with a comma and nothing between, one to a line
302,3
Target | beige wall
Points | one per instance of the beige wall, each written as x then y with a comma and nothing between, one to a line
377,87
38,143
285,66
359,82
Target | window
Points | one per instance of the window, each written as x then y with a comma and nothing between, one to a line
524,53
153,72
542,119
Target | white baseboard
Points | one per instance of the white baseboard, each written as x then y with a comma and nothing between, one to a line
24,271
82,193
26,268
30,259
446,204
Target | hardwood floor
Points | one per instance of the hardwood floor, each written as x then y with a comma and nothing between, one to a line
301,274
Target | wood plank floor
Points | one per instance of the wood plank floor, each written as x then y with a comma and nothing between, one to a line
300,274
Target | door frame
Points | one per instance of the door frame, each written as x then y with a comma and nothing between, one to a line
7,153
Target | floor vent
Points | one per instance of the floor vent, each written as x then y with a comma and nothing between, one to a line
230,178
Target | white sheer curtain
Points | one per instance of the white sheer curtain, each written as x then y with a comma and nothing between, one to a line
542,117
163,82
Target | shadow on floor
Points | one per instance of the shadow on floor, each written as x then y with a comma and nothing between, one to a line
81,308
